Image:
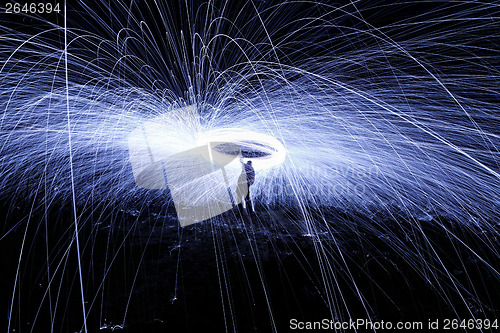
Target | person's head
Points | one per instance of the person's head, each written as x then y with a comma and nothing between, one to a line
249,162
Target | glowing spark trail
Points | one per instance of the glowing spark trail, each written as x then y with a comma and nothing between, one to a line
72,175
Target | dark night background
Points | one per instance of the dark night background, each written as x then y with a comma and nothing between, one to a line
159,256
207,276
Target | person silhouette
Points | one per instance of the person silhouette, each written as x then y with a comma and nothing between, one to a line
250,175
246,179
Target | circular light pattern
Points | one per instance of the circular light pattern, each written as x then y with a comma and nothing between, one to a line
264,150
